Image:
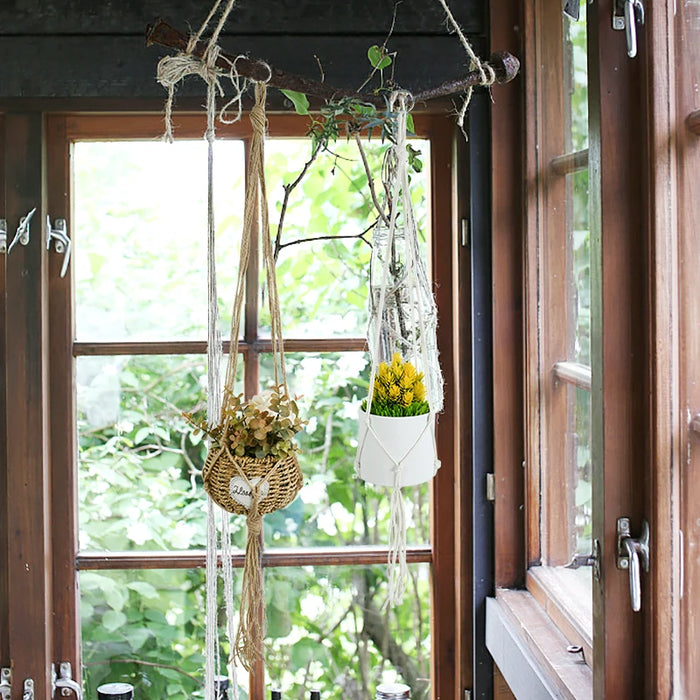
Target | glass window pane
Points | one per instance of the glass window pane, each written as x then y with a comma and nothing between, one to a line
327,631
146,628
323,285
582,481
334,508
140,237
139,463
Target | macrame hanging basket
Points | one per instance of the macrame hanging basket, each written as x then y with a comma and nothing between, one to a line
392,450
396,438
241,483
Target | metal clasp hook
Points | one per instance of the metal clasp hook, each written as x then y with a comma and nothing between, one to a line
627,14
22,233
59,234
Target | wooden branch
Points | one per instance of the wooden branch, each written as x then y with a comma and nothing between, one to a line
505,66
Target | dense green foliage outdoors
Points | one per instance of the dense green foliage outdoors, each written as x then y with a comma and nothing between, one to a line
140,231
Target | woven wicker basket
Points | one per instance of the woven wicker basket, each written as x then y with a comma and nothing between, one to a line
284,479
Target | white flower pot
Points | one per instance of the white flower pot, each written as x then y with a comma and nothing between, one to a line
384,442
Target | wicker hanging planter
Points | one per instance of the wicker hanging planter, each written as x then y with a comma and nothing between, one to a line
251,468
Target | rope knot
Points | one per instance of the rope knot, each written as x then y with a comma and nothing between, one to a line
257,116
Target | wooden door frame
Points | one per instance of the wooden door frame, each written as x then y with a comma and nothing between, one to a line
28,484
63,637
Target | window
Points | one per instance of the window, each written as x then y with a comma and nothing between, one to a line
134,343
559,436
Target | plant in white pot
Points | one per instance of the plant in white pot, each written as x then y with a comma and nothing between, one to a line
396,436
396,439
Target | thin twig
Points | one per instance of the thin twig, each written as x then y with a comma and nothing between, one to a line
370,180
288,189
386,39
320,68
109,662
360,236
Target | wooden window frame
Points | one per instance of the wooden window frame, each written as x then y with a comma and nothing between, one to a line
62,130
619,379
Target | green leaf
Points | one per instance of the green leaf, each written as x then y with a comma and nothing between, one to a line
378,58
137,637
144,589
409,124
113,620
298,99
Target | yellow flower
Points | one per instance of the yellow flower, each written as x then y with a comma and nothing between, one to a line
419,391
394,393
407,398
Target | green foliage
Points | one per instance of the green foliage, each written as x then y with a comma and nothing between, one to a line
398,390
298,99
378,57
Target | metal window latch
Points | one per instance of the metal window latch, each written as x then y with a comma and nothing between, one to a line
5,684
28,689
22,233
633,555
592,560
65,682
62,243
627,14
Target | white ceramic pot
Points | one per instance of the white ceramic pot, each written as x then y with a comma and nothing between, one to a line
405,441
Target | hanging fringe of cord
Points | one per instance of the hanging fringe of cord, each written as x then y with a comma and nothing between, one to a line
171,71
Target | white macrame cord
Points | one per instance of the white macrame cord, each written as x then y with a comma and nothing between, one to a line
417,340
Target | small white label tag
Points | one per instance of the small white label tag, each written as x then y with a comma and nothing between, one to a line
240,491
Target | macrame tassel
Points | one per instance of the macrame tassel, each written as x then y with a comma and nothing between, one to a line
397,569
251,625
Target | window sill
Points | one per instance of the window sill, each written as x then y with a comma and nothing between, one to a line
531,652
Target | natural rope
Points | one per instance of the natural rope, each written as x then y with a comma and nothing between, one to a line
248,645
256,213
487,73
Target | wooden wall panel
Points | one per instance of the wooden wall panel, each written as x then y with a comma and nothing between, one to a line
122,66
507,250
4,531
28,484
281,17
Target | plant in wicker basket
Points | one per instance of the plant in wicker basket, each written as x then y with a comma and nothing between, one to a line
263,427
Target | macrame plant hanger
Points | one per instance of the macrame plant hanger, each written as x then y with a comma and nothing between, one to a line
250,485
246,643
399,452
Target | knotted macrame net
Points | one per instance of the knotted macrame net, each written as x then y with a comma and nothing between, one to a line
403,320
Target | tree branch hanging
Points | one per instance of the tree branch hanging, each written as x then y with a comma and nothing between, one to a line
505,67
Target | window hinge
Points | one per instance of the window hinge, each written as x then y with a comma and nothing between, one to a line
5,684
490,487
467,694
464,226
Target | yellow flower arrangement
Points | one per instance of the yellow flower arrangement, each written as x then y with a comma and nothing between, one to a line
399,390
